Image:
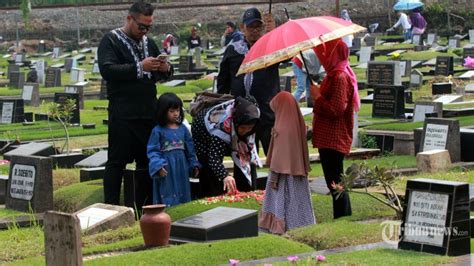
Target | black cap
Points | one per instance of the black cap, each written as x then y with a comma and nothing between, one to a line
250,15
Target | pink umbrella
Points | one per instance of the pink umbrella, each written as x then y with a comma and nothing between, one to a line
295,36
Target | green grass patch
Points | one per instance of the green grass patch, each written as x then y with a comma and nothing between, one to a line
77,196
410,126
215,253
424,55
10,213
4,169
21,243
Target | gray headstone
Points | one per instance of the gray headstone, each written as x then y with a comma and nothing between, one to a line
3,188
445,99
285,83
19,58
175,82
53,77
467,52
405,68
62,239
454,43
17,79
12,68
431,38
423,108
365,54
185,63
215,224
56,52
30,149
384,73
95,68
61,98
416,78
444,66
469,88
69,63
101,217
471,36
441,88
467,75
30,94
12,111
174,50
31,184
370,41
97,159
389,101
442,133
417,39
77,75
436,219
40,69
41,47
197,56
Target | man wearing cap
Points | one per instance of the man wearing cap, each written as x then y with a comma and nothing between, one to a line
194,40
262,84
128,62
231,34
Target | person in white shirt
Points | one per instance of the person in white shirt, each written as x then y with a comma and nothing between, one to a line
403,20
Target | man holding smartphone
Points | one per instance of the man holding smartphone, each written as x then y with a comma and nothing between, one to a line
129,63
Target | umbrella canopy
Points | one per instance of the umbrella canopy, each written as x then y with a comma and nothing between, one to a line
407,4
287,40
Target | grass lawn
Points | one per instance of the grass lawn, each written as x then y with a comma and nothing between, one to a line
410,126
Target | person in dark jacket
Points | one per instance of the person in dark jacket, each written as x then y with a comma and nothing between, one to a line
129,62
194,40
231,34
262,84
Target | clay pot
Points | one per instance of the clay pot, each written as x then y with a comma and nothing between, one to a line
155,225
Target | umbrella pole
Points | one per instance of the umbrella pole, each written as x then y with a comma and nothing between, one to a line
304,63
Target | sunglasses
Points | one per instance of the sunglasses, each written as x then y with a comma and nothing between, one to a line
141,27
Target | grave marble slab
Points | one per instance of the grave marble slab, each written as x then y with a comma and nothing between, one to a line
29,149
444,134
423,108
100,217
467,75
97,159
175,82
445,99
215,224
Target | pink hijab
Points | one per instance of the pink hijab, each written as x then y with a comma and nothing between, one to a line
334,56
288,152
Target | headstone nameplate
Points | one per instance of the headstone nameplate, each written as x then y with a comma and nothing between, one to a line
53,77
62,239
365,54
92,216
30,94
13,111
56,52
388,102
431,38
77,75
442,133
417,39
423,108
441,88
416,78
444,66
405,68
471,36
7,112
31,184
19,58
384,73
454,43
174,50
40,69
100,217
436,217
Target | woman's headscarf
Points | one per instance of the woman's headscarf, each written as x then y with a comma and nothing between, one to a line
345,15
334,56
288,152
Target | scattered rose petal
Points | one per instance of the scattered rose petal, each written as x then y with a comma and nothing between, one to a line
320,258
3,162
233,262
292,258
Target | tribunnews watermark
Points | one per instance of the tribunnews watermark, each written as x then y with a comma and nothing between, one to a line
391,231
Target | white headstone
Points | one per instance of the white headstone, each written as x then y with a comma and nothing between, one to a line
77,75
22,181
40,69
27,93
174,50
471,36
420,111
453,43
92,216
56,52
7,112
445,99
431,38
19,58
95,68
436,137
365,53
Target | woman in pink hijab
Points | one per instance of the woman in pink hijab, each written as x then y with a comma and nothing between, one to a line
335,102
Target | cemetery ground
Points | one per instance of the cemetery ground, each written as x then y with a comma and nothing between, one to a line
124,246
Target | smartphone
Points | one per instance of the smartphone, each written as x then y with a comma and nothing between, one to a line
162,57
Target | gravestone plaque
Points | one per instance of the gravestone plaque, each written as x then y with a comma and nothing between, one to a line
56,52
61,99
53,77
356,44
174,50
467,52
19,58
454,43
77,75
62,239
79,89
103,89
388,102
97,159
95,68
442,134
185,63
100,217
40,70
12,111
383,73
444,66
215,224
370,41
431,38
436,217
17,79
416,78
30,94
417,39
31,184
365,54
423,108
197,59
441,88
12,68
471,36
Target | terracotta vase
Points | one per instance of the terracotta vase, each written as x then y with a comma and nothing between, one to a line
155,225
